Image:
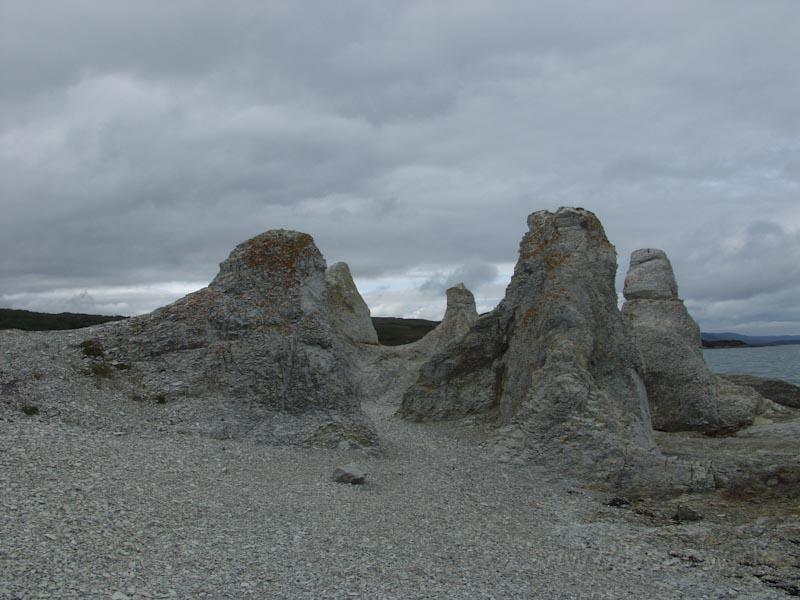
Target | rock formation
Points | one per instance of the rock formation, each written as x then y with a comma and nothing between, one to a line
392,369
781,392
552,366
683,393
349,311
278,350
459,316
269,330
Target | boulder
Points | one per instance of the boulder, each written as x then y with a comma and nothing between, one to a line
739,405
779,391
650,276
683,393
685,513
349,311
552,369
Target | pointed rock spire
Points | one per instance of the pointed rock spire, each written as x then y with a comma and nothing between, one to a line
459,316
348,309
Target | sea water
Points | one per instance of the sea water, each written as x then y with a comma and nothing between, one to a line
776,362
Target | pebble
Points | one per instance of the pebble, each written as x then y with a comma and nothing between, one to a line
439,519
349,473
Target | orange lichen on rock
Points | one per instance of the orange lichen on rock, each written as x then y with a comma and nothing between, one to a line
281,256
529,316
556,259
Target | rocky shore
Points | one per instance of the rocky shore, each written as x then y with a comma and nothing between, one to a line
555,447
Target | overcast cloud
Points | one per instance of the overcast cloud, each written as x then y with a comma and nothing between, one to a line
141,140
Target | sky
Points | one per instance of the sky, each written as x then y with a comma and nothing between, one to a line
141,140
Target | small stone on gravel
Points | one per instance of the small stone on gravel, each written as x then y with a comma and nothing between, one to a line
350,473
618,502
684,513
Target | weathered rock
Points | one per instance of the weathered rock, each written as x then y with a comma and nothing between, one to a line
617,502
754,460
776,390
265,331
685,513
739,404
552,366
459,316
349,311
650,276
350,473
683,393
389,370
460,304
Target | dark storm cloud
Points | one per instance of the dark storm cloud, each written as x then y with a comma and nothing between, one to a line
140,141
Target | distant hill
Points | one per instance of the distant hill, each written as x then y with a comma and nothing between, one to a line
35,321
394,331
738,340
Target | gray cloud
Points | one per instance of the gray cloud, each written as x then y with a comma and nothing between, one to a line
473,276
139,142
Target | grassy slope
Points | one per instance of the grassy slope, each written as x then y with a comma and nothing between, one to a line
393,331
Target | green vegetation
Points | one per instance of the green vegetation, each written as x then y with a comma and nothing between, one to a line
393,331
33,321
92,348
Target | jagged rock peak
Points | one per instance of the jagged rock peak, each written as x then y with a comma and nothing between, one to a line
650,276
275,258
350,313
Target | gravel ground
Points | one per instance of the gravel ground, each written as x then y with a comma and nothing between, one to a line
90,514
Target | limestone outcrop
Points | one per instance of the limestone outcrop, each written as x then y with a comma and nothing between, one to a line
552,367
389,370
650,276
270,330
683,393
349,312
776,390
459,316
